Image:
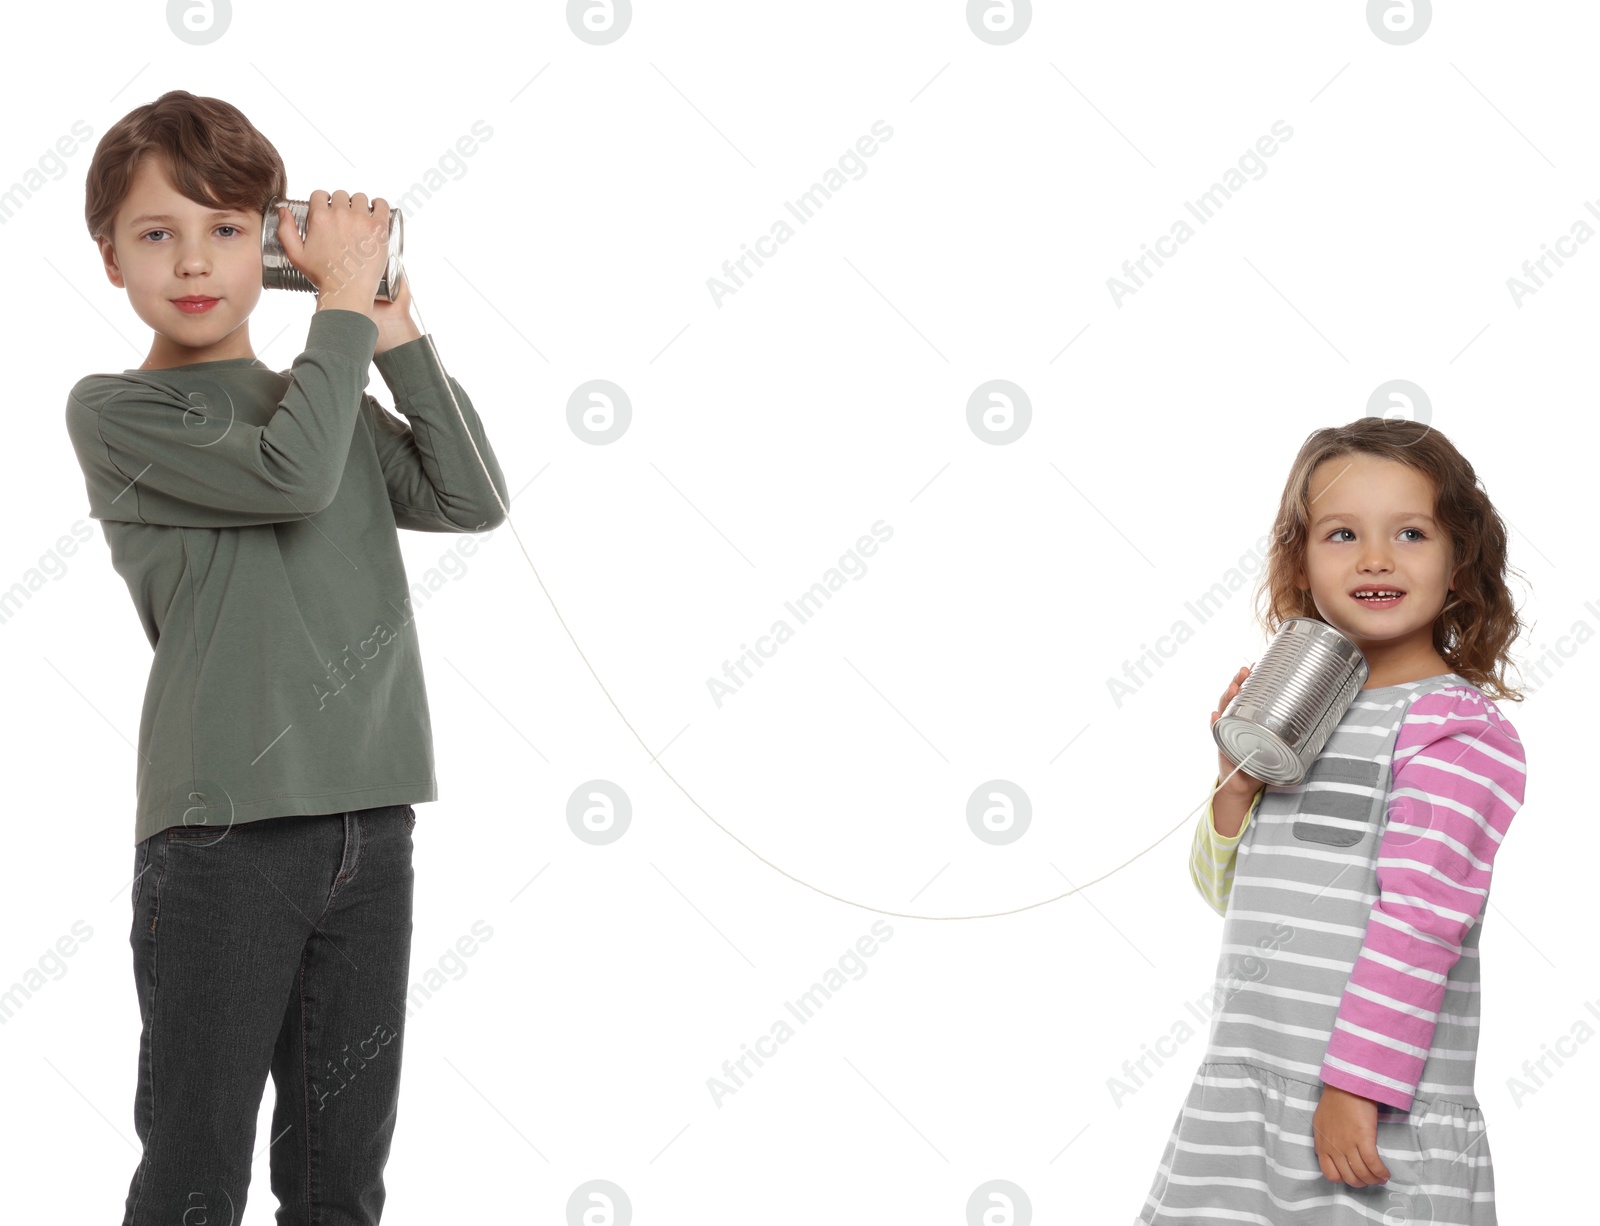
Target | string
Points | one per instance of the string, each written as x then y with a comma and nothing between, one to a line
432,348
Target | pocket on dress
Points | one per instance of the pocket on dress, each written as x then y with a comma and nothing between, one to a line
1333,836
1332,815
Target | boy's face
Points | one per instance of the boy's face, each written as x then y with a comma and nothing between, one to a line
166,247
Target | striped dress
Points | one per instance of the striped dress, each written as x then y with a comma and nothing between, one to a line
1351,905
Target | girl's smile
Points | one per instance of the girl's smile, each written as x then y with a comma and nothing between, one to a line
1375,601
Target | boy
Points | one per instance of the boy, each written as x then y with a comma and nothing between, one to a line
285,735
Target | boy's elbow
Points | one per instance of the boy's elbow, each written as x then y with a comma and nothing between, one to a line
315,498
489,517
480,520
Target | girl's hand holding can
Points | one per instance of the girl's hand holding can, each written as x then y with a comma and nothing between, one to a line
1242,783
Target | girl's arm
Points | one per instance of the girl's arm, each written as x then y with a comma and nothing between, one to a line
1212,855
1458,779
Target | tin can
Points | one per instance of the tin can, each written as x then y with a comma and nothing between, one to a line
278,273
1292,700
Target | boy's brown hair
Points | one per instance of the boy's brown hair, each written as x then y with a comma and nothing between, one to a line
1478,624
210,151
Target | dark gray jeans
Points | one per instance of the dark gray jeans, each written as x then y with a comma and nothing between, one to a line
281,945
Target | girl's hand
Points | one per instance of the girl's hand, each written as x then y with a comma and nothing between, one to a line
395,325
1346,1136
1243,783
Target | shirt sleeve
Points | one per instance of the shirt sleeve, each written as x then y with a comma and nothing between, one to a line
151,455
430,465
1211,857
1457,780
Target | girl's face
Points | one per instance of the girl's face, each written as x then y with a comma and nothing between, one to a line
166,247
1372,527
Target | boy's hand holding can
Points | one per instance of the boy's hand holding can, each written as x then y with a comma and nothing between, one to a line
345,251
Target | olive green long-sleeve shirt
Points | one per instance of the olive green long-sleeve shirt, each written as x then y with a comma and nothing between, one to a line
253,516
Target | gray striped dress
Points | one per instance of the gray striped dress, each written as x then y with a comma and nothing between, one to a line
1303,888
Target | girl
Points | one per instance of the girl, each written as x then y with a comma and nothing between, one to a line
1337,1085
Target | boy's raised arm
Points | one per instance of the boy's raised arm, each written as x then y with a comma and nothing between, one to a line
435,481
151,456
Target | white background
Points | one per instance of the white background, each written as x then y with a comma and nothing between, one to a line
768,434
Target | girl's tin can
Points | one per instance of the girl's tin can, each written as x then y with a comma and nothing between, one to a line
278,273
1292,700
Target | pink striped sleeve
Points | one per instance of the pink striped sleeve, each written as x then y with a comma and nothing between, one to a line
1459,775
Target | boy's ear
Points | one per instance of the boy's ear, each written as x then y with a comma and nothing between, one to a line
108,254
